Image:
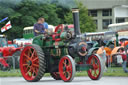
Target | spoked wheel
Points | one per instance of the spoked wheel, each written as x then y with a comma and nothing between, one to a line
32,63
96,71
67,68
56,75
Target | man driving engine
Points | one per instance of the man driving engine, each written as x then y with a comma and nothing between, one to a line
39,27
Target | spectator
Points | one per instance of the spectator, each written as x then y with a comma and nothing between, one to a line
101,51
124,57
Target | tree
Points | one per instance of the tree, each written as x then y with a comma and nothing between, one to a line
26,13
86,22
61,11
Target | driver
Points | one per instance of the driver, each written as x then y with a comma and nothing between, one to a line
39,27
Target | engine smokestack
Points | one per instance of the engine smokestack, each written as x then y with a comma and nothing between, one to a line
75,12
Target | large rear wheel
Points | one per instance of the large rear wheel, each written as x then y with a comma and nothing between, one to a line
32,63
96,71
67,68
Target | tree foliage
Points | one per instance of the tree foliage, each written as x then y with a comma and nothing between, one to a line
86,22
26,13
23,13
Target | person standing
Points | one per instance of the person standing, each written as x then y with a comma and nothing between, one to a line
45,24
102,52
124,57
39,27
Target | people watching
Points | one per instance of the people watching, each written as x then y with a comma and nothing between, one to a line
101,52
124,57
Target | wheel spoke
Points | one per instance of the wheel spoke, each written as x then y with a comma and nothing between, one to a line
28,71
27,56
35,65
25,64
34,72
95,73
65,64
32,54
68,68
64,73
28,52
93,61
35,59
27,68
69,73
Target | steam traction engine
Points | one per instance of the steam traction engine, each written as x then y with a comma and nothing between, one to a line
60,54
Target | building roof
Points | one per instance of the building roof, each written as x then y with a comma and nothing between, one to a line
118,24
118,27
103,4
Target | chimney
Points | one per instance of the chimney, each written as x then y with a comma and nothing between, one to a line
75,12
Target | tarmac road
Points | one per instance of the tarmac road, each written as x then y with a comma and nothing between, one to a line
76,81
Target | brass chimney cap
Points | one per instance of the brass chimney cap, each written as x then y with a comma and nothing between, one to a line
75,10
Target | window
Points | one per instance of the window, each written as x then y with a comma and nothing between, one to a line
95,22
107,12
106,22
120,20
31,30
93,13
28,31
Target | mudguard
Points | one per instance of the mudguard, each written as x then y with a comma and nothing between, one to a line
38,40
92,49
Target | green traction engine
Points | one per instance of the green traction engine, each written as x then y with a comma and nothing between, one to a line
61,54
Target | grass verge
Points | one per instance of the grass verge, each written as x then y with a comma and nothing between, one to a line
115,71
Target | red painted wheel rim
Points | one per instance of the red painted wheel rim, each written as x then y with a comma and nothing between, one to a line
65,69
29,63
95,71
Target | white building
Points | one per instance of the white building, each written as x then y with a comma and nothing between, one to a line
105,12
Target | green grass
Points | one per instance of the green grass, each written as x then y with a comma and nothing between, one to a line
115,71
11,73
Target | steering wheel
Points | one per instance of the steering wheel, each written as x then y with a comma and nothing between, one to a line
58,30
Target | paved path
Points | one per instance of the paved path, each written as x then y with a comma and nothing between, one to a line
76,81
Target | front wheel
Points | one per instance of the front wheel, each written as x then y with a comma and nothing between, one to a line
67,68
97,67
